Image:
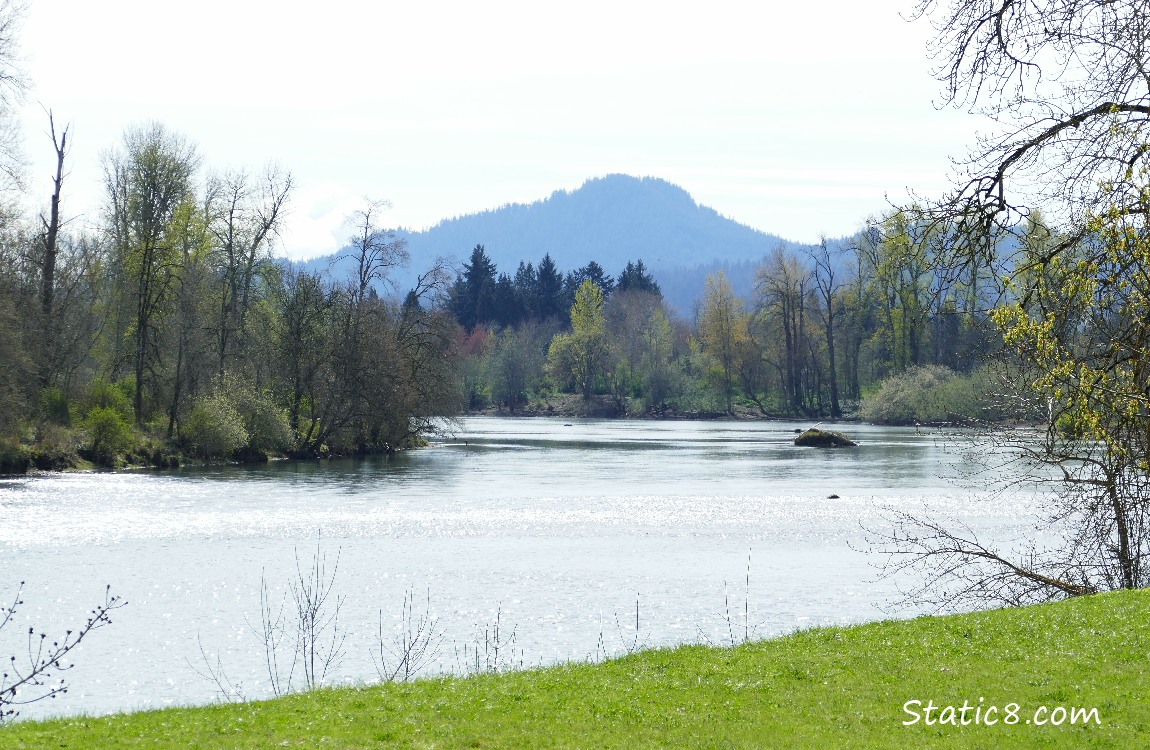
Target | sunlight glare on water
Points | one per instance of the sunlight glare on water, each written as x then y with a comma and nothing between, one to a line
558,529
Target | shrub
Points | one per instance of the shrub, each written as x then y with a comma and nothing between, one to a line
54,406
267,425
106,395
109,434
56,448
927,394
214,428
14,457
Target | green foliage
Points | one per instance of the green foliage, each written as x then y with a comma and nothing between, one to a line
237,418
109,434
267,425
578,356
264,422
722,330
928,394
54,406
515,366
472,298
657,373
636,278
214,428
15,457
16,371
695,395
57,447
103,394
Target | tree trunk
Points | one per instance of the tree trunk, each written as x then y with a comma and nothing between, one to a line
51,232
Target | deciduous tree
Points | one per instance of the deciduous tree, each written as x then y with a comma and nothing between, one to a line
723,329
581,352
146,181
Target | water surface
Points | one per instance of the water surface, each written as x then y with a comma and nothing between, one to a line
560,530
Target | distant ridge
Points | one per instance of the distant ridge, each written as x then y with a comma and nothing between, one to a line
610,220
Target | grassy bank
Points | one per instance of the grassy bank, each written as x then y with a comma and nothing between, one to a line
825,688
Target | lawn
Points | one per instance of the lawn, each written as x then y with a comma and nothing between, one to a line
823,688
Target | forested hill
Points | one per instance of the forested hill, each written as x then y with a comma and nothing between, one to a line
609,220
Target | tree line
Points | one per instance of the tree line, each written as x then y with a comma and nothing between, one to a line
822,329
169,327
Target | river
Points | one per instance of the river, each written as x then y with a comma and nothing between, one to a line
559,531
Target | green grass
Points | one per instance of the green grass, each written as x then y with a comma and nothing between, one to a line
825,688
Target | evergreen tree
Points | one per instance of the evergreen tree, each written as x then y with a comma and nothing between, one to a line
526,287
506,304
635,277
549,293
472,299
592,272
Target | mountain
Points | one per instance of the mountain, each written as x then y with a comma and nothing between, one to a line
610,220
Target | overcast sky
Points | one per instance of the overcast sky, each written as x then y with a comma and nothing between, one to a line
797,119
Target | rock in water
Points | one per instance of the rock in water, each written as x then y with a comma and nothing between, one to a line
815,438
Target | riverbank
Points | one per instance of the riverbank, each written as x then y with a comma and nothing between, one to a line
1069,674
63,450
607,407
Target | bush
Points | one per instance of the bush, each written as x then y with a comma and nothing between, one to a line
57,448
214,428
54,406
267,425
928,394
109,434
106,395
14,457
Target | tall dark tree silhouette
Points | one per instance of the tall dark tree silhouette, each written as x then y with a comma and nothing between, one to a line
550,299
636,278
472,297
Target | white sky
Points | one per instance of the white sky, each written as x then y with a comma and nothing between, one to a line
795,119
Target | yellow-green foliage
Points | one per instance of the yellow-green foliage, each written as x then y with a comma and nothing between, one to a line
1081,328
235,417
103,393
214,428
109,434
931,393
578,356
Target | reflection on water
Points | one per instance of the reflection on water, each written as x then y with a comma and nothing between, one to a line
557,527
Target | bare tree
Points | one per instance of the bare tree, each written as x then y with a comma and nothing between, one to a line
373,251
51,233
319,638
1094,514
13,85
782,283
34,676
248,220
825,273
415,645
310,628
1067,81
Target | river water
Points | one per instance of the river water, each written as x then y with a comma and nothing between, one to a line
557,532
